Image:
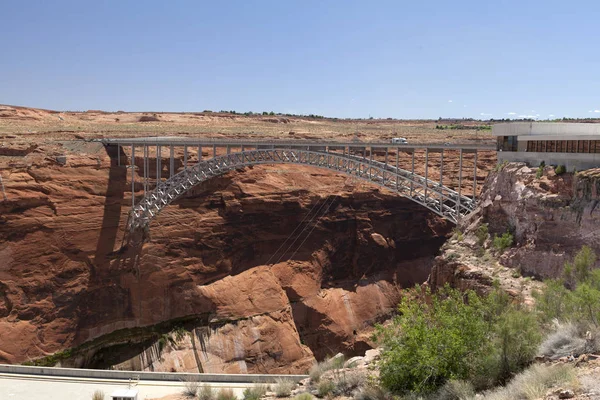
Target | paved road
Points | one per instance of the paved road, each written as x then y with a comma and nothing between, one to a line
34,387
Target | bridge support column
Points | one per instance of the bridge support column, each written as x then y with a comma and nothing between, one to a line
228,149
214,150
460,160
172,162
475,177
426,171
118,155
158,166
145,170
185,156
199,153
397,160
132,175
371,162
441,180
412,174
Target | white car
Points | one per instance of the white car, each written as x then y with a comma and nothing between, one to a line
399,140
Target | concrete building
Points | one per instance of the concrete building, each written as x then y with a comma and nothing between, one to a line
574,145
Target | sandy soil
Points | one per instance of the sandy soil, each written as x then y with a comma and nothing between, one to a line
43,125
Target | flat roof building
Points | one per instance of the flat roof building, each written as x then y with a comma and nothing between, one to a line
574,145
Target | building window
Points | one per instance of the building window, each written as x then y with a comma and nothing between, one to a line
507,143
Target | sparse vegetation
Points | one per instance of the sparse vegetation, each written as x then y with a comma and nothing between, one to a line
284,387
98,395
503,242
482,233
205,392
533,383
540,170
371,392
255,392
304,396
190,387
320,368
325,387
561,169
226,394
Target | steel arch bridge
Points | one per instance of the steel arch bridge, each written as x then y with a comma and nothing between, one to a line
352,160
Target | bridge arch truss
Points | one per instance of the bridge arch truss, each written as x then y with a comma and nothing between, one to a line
349,159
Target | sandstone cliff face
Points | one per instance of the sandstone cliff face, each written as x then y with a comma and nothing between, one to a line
551,218
221,263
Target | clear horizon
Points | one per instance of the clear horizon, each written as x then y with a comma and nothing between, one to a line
510,59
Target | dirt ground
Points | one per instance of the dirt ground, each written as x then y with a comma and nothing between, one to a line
37,125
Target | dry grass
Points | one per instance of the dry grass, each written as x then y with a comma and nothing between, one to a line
534,382
283,387
205,392
565,340
98,395
226,394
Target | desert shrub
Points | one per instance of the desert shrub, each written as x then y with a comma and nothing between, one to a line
503,242
517,336
580,269
430,343
540,170
563,341
337,362
283,387
255,392
534,382
456,390
325,387
372,392
190,387
482,233
346,382
319,369
455,335
226,394
576,297
304,396
561,169
98,395
205,392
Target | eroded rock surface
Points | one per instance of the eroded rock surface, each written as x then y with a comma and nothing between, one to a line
226,263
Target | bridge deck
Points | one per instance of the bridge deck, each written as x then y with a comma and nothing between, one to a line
184,141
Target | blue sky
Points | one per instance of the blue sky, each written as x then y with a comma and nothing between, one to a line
401,59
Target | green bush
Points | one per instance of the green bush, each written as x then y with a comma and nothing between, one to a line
503,242
482,233
429,344
458,336
575,297
561,169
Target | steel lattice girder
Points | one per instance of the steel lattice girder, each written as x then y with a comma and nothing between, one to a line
432,195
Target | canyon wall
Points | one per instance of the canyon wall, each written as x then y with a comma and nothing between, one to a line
550,216
260,270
